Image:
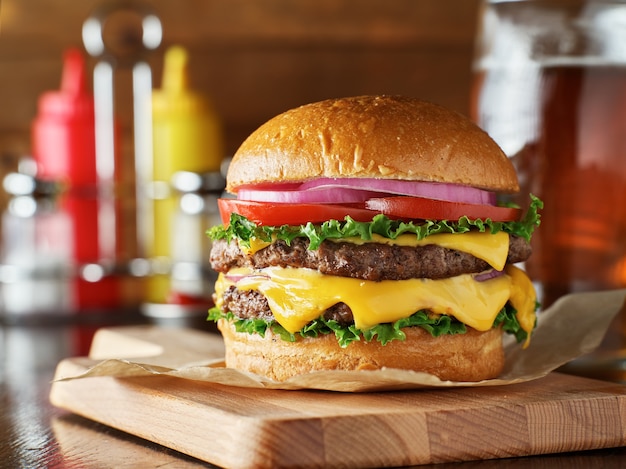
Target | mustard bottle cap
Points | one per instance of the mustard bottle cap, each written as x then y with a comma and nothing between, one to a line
175,95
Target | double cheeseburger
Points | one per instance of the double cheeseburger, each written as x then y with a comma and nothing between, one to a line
365,234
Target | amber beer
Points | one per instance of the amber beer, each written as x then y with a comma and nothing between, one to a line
565,129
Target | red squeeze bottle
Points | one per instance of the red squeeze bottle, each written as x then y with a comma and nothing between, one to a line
63,133
64,148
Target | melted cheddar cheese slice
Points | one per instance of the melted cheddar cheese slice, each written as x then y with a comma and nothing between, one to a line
298,296
492,248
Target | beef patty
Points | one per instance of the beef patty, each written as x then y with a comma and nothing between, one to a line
369,261
251,304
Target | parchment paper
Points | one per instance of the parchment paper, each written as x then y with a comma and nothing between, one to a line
573,326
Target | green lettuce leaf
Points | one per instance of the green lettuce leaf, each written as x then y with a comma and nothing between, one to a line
383,333
242,229
507,318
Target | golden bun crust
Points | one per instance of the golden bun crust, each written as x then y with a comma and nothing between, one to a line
387,137
473,356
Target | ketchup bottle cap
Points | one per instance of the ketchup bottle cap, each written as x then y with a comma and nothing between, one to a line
63,133
72,101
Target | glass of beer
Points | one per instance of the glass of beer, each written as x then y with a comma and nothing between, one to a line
550,88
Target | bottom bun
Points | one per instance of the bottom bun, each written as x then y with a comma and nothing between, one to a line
472,356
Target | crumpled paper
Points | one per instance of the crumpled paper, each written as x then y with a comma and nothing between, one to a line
571,327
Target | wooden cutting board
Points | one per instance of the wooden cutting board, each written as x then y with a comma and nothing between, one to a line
255,428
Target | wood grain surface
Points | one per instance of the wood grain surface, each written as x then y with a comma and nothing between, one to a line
245,427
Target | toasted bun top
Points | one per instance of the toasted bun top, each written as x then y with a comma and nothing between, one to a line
388,137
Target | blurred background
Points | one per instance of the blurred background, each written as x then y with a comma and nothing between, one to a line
122,226
118,117
255,59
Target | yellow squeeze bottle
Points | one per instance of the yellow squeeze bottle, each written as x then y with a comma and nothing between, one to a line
187,137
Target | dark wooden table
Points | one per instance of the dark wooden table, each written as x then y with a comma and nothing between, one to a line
35,434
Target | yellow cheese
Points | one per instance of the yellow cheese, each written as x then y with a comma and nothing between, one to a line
255,245
298,296
492,248
523,298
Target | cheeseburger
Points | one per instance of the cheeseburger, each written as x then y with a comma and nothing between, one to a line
365,234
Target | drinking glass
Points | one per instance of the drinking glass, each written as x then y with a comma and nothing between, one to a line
550,87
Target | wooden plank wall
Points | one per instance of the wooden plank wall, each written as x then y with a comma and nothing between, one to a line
255,58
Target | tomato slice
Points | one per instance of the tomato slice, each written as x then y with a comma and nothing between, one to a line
401,207
276,214
430,209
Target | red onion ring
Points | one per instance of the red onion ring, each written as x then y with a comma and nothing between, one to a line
488,275
429,190
354,190
327,195
235,278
